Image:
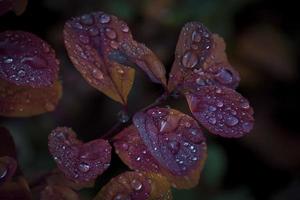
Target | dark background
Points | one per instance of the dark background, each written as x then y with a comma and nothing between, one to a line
263,44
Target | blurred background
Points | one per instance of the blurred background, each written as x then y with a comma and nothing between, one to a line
263,44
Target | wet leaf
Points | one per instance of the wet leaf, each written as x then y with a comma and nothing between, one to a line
200,60
8,166
176,142
18,6
102,48
222,111
25,101
52,192
15,190
136,186
27,60
80,162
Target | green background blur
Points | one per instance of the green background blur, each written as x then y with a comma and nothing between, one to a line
263,44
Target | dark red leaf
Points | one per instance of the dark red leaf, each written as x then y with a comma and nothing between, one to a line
200,60
27,60
176,142
136,186
52,192
18,6
8,166
78,161
101,47
221,110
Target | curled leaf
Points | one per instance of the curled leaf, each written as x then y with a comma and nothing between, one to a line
200,60
27,60
102,48
176,143
78,161
136,186
221,110
24,101
8,166
18,6
52,192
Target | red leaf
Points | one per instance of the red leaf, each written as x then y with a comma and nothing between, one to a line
176,142
25,101
27,60
8,166
52,192
78,161
136,186
221,110
18,6
101,47
200,60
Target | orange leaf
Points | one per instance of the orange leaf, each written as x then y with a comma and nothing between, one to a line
24,101
200,60
102,48
135,185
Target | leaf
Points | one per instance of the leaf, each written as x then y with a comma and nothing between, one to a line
200,60
176,143
18,189
25,101
27,60
80,162
18,6
221,110
101,47
52,192
136,186
8,166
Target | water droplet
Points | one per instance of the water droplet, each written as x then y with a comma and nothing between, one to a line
218,91
245,105
110,33
93,31
21,73
138,158
87,19
196,37
189,60
194,158
125,28
114,44
212,108
220,104
8,60
200,81
224,76
77,25
136,185
120,71
84,39
212,120
173,146
3,171
187,124
98,74
104,19
125,146
247,126
84,167
231,121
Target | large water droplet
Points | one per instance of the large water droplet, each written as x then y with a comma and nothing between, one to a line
21,73
84,167
245,105
125,28
104,19
77,25
220,104
174,146
196,37
212,108
212,120
231,121
8,60
224,76
189,60
110,33
87,19
136,185
98,74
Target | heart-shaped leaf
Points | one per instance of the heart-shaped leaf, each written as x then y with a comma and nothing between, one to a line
18,6
79,161
25,101
221,110
136,186
27,60
175,141
102,48
200,60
